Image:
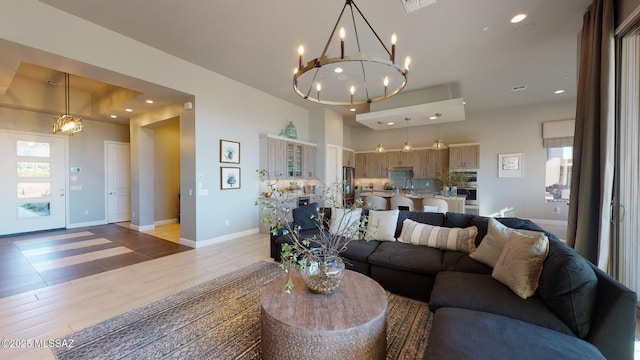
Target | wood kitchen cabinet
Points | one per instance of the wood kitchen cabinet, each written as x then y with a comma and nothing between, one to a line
437,162
400,159
464,157
286,158
371,165
420,164
348,158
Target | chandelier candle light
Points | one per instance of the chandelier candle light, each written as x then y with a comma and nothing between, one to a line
347,79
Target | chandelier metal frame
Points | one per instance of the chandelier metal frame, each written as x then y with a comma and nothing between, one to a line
66,122
362,57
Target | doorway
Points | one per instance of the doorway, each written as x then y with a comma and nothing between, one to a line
118,180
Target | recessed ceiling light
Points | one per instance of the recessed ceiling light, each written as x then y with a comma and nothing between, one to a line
338,70
113,116
149,101
128,110
352,109
391,123
518,18
486,28
557,92
433,117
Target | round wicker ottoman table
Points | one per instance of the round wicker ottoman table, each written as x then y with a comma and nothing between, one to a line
350,323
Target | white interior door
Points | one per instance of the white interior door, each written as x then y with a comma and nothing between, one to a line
32,174
118,182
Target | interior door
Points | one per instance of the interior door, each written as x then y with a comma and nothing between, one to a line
32,174
118,182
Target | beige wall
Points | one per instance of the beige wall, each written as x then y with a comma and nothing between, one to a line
166,170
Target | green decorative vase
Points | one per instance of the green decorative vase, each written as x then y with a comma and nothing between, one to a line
291,131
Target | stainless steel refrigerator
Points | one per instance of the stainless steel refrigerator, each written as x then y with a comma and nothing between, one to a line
347,178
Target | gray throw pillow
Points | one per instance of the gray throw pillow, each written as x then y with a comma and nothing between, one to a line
306,217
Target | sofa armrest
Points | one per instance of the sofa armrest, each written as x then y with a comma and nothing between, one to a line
614,318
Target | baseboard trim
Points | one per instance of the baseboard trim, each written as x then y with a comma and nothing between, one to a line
86,223
166,222
219,239
142,227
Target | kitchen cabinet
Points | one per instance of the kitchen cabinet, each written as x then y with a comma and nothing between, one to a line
437,162
400,159
348,158
420,164
309,163
286,158
371,165
275,156
463,157
294,160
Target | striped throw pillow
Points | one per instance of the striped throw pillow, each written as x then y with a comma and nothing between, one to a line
444,238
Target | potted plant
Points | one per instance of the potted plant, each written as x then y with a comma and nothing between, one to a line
316,256
449,180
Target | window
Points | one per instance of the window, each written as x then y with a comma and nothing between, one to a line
558,173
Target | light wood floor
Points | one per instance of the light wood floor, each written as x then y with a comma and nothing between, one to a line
59,310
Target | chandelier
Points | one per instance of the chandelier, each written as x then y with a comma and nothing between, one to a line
351,78
66,123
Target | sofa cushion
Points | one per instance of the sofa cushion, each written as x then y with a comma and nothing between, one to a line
344,221
481,292
359,250
443,238
421,217
460,261
407,257
458,220
568,286
520,264
466,334
482,223
306,217
382,225
492,244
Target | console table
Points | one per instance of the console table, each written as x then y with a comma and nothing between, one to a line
350,323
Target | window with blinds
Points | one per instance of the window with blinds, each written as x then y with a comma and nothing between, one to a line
557,139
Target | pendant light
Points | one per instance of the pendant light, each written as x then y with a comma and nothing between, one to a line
379,148
66,123
407,146
438,145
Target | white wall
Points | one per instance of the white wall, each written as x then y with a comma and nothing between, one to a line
509,130
224,109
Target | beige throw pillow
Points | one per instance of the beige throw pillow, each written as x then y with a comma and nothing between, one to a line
382,225
520,264
492,244
444,238
344,222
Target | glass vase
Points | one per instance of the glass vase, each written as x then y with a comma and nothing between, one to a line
322,274
291,131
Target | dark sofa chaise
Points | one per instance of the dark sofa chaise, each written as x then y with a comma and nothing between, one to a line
577,312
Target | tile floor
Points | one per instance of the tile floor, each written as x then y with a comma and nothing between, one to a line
37,260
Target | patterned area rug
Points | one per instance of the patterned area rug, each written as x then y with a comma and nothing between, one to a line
220,319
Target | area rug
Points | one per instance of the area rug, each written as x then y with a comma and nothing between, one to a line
220,319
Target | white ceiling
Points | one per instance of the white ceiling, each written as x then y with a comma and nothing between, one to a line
256,42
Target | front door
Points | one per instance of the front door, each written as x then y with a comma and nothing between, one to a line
33,185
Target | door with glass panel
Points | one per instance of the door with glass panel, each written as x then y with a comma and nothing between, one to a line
33,182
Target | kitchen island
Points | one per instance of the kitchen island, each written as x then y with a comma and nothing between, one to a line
455,203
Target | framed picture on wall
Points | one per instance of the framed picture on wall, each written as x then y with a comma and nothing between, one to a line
229,151
229,178
510,165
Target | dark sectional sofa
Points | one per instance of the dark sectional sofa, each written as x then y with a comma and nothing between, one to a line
577,312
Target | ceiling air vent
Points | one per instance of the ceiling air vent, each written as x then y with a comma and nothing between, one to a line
413,5
519,88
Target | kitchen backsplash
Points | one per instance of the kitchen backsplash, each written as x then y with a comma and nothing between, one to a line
398,180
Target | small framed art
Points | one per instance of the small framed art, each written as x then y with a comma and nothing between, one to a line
229,151
229,178
510,165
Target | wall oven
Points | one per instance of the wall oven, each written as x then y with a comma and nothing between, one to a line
469,187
